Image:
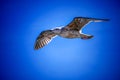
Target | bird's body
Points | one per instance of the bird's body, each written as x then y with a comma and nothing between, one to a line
72,30
66,33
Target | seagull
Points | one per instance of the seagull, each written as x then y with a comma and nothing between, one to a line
70,31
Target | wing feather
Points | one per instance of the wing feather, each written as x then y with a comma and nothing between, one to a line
79,22
43,39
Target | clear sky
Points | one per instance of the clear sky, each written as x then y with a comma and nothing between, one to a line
62,59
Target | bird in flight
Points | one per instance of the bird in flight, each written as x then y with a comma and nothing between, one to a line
71,31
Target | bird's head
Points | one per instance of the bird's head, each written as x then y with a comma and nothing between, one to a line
57,30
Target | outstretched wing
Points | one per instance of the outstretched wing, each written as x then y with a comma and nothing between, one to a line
43,39
78,22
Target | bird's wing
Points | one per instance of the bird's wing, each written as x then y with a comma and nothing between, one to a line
43,39
79,22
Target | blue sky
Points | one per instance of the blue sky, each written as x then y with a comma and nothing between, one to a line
62,59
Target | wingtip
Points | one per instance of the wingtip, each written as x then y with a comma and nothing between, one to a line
105,19
97,19
35,48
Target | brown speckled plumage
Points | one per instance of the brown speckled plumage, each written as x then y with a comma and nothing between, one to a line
72,30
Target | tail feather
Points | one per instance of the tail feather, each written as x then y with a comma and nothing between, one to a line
86,36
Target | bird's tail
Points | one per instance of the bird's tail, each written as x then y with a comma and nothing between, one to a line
85,36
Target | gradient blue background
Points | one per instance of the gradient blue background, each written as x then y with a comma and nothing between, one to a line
63,59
